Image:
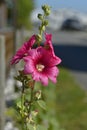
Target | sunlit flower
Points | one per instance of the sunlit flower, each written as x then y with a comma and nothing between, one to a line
41,65
48,43
23,51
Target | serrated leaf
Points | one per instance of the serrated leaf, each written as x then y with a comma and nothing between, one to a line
42,104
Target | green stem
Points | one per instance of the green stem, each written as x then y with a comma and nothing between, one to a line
41,31
24,124
31,98
22,107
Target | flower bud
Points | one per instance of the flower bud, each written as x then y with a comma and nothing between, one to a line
34,113
38,94
39,38
46,9
45,23
40,16
42,28
47,12
31,84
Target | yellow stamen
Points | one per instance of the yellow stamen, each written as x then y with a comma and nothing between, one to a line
40,67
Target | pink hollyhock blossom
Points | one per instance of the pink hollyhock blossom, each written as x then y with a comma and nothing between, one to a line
48,44
23,51
41,65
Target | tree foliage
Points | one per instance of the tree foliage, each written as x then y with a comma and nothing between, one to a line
24,8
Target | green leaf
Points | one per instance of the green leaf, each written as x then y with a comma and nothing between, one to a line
42,104
40,127
30,127
19,104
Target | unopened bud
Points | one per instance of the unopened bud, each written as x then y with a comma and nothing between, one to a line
31,84
34,113
42,28
39,38
45,23
40,16
47,12
38,94
46,9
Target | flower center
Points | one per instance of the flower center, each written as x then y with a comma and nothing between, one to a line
40,67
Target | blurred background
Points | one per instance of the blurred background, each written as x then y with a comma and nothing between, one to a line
68,25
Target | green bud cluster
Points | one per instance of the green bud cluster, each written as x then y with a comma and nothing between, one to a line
44,22
30,98
40,16
38,38
46,9
24,79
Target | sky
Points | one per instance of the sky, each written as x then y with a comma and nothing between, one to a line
79,5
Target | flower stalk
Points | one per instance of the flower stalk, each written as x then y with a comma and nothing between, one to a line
40,66
44,22
26,107
22,111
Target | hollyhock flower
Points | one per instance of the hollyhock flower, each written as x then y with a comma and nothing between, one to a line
41,65
48,44
23,51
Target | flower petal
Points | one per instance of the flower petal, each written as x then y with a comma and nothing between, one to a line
49,47
54,61
34,54
29,65
31,42
52,73
23,50
19,55
36,76
47,58
44,79
48,43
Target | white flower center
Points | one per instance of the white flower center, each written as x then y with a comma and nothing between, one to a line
40,67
